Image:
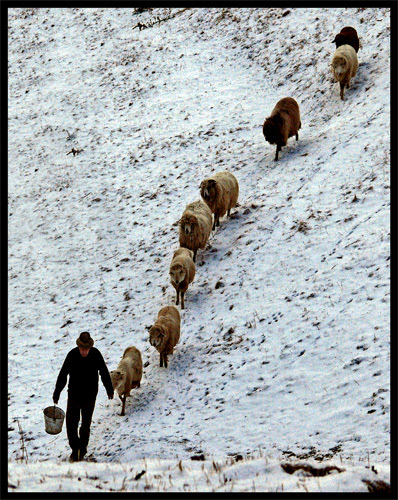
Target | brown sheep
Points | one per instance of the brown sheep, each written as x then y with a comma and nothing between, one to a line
344,66
182,272
284,122
195,226
347,36
165,333
128,374
220,192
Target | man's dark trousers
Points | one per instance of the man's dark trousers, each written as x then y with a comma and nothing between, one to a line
73,410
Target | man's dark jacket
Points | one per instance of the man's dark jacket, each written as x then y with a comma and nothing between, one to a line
83,375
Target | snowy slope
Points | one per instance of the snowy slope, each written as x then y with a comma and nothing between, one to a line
285,336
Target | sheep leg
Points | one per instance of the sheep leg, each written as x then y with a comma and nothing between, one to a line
278,148
228,212
161,360
165,360
194,255
342,91
123,405
182,300
297,136
178,297
214,223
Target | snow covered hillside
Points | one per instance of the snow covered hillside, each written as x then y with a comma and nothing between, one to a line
285,338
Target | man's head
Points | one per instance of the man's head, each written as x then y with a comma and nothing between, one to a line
85,343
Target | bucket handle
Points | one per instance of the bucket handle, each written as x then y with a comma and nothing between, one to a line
48,407
53,412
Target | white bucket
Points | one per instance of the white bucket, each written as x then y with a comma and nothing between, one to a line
53,419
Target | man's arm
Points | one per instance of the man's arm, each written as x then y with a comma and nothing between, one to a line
105,376
61,380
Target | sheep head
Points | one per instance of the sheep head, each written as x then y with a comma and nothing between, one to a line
157,337
336,39
271,128
177,273
188,223
341,39
116,377
339,64
208,189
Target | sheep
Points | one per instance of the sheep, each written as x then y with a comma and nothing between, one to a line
220,192
347,36
284,122
128,374
344,66
182,272
195,226
164,334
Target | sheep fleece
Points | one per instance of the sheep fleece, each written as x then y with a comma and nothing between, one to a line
130,367
344,66
168,321
182,264
347,36
198,214
222,193
284,122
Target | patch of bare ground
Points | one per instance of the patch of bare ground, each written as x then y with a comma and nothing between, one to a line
377,486
310,470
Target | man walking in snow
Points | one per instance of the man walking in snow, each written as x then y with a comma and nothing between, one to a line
82,364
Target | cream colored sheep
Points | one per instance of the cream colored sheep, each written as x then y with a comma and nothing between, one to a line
344,66
195,226
220,192
182,272
128,374
165,333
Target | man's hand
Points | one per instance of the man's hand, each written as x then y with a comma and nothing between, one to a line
55,400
